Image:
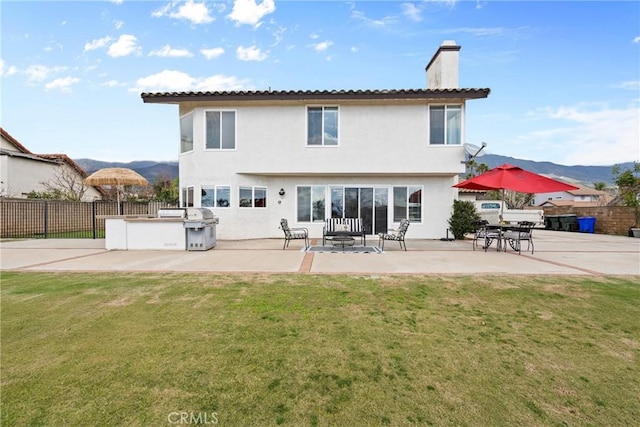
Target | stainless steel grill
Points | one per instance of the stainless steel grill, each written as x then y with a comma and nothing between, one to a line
200,225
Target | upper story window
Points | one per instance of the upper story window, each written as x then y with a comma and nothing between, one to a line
221,130
445,125
186,133
322,126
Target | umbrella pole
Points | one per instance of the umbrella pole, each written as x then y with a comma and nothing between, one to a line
502,208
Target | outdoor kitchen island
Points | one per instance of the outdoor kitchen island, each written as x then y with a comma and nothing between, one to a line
192,229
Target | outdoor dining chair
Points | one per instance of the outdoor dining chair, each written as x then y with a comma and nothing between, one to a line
483,235
299,233
397,235
515,236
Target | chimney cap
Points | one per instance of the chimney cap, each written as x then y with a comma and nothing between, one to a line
447,45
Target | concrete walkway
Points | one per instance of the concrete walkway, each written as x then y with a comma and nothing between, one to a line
556,253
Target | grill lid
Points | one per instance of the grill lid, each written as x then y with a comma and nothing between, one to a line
199,214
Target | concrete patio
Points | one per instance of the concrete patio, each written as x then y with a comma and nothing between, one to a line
556,253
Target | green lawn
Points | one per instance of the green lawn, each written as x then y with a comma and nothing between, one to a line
261,350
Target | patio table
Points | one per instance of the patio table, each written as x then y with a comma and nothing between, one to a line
342,240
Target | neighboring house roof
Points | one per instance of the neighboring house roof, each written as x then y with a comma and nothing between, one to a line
329,95
586,191
21,148
550,203
63,158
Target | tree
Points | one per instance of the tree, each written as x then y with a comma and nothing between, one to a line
165,189
600,186
512,199
628,182
475,168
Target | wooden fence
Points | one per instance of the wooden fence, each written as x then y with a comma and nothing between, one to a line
27,218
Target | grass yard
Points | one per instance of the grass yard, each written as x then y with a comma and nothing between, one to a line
307,350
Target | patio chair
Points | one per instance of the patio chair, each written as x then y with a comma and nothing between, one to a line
484,235
290,234
515,236
397,235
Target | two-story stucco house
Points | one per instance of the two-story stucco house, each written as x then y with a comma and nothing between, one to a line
255,157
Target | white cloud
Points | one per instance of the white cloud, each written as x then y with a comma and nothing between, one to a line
166,80
38,73
97,43
212,53
384,22
168,51
64,84
636,39
322,46
221,82
278,35
9,71
171,80
118,24
250,12
196,13
482,31
411,11
112,83
632,85
125,45
592,135
251,53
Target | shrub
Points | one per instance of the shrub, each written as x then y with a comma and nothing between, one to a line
462,218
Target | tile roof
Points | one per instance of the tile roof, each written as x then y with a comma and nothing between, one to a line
21,148
283,95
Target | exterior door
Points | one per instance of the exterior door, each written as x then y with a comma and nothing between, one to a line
368,203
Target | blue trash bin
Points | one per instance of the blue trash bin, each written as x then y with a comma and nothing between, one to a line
587,224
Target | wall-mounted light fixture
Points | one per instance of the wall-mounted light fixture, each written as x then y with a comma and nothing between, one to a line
281,192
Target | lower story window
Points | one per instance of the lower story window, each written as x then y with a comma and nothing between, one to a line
311,203
187,197
407,203
253,197
218,196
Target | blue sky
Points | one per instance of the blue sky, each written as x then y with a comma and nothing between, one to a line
564,75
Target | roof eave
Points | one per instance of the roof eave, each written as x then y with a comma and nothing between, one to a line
415,94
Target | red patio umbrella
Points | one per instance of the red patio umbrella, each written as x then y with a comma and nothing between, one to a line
509,177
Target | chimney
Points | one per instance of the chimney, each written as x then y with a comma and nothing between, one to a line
442,70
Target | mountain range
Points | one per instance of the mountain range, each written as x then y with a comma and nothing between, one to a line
584,175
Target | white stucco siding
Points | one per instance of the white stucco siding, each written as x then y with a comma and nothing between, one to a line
372,139
380,146
26,175
248,223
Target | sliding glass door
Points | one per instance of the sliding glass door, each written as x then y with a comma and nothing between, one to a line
368,203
